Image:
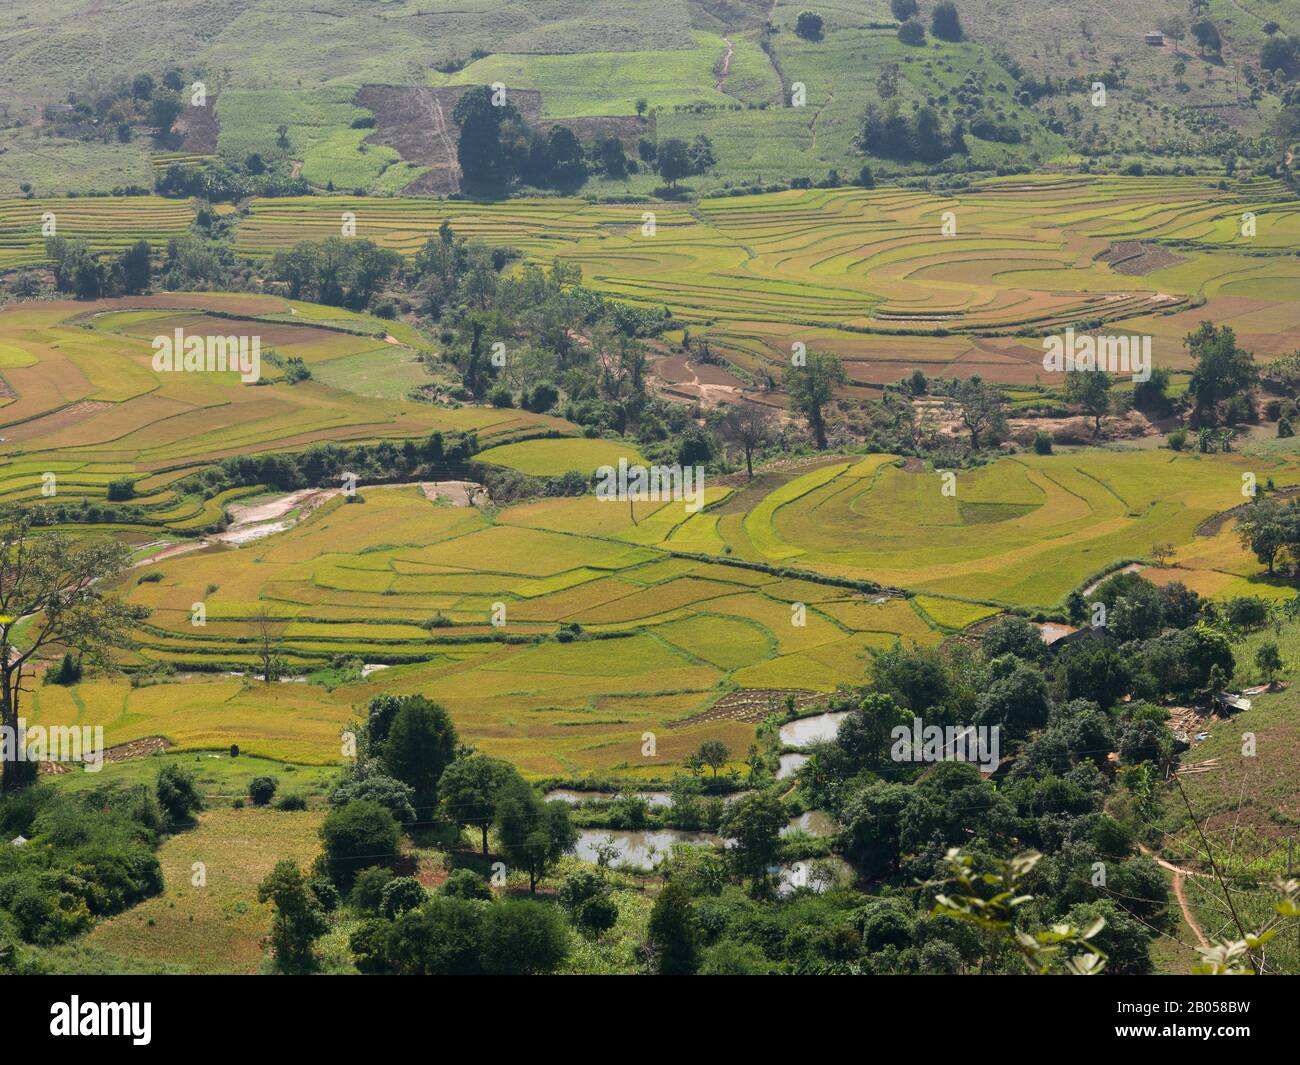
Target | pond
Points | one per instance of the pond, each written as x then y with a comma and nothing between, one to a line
790,764
812,823
809,730
645,849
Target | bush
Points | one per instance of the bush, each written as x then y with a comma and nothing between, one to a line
523,938
177,794
291,801
466,884
1177,440
262,790
368,891
356,836
399,895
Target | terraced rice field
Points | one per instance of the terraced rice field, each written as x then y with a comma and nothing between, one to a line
666,635
81,400
677,610
872,276
1021,532
106,224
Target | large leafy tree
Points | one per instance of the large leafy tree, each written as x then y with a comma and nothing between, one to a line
1089,390
534,833
811,388
979,406
51,594
468,791
420,745
755,823
1222,368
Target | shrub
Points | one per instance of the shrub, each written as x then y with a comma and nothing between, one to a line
368,891
399,895
356,836
177,794
262,790
291,801
466,884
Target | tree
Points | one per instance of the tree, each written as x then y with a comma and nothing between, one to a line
177,794
1013,635
755,823
1172,26
915,677
164,108
356,836
420,745
535,834
400,894
585,896
1281,54
50,595
467,791
872,819
135,268
479,149
523,938
903,9
809,25
674,160
1269,660
980,408
567,167
1015,703
299,920
945,23
673,932
864,735
267,630
1207,36
715,754
1090,390
1222,368
442,937
912,32
750,427
1269,527
811,388
701,154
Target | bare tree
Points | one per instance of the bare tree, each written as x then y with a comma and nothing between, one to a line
268,629
49,598
750,428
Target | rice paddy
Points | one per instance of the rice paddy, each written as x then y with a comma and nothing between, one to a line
871,275
82,404
476,608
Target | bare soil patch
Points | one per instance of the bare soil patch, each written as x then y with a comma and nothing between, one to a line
198,128
1136,257
753,705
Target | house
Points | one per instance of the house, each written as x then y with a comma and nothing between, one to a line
1155,37
18,841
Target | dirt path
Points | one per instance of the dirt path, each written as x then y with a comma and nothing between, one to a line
726,63
812,126
1179,876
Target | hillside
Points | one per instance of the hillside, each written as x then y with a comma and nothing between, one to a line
776,106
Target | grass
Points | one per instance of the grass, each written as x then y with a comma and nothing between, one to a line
217,925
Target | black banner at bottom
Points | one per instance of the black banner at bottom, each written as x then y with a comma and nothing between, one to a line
143,1014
